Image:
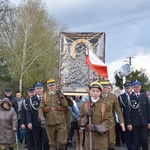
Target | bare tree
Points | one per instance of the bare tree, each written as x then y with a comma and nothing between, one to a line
4,9
28,42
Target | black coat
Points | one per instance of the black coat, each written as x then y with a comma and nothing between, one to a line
137,112
24,108
32,113
122,101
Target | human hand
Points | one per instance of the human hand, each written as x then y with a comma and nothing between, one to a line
148,125
91,127
78,119
14,129
23,126
129,127
43,125
122,126
100,128
30,126
89,113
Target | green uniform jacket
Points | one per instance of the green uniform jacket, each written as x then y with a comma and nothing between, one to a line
113,100
99,116
53,117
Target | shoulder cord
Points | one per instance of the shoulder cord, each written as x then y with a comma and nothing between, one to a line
32,105
24,104
122,101
131,104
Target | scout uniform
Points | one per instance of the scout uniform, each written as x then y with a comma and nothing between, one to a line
52,106
101,116
138,115
112,99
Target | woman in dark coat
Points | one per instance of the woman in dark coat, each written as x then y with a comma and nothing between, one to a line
8,124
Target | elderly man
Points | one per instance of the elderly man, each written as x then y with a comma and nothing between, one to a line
52,106
137,117
39,134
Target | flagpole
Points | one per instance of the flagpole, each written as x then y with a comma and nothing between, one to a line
89,100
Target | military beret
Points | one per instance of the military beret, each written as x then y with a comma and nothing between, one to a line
136,83
8,90
31,89
38,85
50,82
95,85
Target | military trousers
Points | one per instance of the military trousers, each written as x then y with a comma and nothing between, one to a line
140,137
128,138
40,139
57,135
112,137
30,139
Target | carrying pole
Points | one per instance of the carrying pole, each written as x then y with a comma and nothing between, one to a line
89,101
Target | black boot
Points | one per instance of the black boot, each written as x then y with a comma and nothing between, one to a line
10,148
66,146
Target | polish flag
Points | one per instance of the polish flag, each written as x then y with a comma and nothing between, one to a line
96,64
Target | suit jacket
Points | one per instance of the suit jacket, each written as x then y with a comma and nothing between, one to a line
138,112
52,101
113,100
122,101
24,108
32,112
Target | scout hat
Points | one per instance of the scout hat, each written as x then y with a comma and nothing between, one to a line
95,85
105,83
50,82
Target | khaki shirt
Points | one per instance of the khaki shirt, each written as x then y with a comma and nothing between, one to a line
53,117
113,100
101,114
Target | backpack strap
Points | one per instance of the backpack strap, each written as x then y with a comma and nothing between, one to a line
86,106
103,108
44,98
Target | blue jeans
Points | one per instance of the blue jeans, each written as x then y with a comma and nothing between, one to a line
20,132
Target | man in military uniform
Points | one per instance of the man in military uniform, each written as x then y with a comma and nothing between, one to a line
137,117
39,134
111,98
52,107
100,114
23,118
122,100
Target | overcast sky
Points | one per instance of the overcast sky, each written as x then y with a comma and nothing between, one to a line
125,22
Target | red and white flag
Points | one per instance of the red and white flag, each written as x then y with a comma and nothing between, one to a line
96,64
